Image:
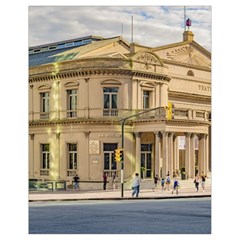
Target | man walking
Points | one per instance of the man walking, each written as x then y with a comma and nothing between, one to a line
76,182
136,185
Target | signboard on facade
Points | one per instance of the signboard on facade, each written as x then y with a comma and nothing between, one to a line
94,147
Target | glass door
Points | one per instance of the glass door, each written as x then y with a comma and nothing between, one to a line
146,160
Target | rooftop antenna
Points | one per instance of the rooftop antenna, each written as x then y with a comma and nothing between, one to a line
132,30
122,29
184,24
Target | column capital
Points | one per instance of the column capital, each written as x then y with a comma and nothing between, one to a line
187,134
137,134
86,79
171,134
202,136
31,136
157,134
193,135
164,133
86,133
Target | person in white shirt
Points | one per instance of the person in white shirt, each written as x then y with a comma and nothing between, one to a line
136,185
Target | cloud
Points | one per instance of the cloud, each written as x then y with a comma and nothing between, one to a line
153,25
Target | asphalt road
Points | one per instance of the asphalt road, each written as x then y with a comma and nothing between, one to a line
172,216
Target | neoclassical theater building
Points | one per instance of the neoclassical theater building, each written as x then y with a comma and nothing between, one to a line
80,89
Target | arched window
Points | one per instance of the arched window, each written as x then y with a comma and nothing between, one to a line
190,73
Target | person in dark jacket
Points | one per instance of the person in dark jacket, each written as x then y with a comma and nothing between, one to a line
76,182
104,181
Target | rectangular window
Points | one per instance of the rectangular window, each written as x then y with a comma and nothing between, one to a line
109,162
45,161
110,101
72,156
44,114
146,99
72,103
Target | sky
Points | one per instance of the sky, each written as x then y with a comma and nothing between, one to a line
152,25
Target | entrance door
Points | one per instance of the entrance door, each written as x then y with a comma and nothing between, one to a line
146,160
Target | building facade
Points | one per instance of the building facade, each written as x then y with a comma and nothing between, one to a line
80,89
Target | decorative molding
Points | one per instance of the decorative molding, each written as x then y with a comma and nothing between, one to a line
43,77
71,84
190,96
188,55
44,87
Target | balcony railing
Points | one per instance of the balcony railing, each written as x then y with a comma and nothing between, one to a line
71,172
110,112
44,172
71,113
44,115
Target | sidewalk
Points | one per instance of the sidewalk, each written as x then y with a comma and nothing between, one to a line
71,195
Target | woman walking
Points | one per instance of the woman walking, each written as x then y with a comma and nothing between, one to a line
196,181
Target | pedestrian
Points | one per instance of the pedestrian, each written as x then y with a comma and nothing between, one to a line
104,180
196,181
113,181
76,182
168,181
136,185
155,182
163,184
203,180
175,185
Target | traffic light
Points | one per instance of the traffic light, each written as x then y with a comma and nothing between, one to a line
118,155
170,111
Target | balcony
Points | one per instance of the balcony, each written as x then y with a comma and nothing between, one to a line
110,112
71,172
44,115
44,172
71,113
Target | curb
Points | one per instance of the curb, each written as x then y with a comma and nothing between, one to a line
122,199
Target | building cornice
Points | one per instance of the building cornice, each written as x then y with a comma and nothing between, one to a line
189,96
188,122
174,122
48,76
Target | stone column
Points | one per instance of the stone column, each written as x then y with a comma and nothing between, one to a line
157,155
139,95
205,163
164,95
164,153
31,156
201,153
138,152
134,93
87,98
170,152
31,103
87,172
174,153
157,94
192,156
187,154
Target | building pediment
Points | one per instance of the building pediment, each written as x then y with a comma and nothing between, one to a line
147,58
148,62
190,53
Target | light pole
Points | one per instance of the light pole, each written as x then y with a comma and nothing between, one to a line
123,121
